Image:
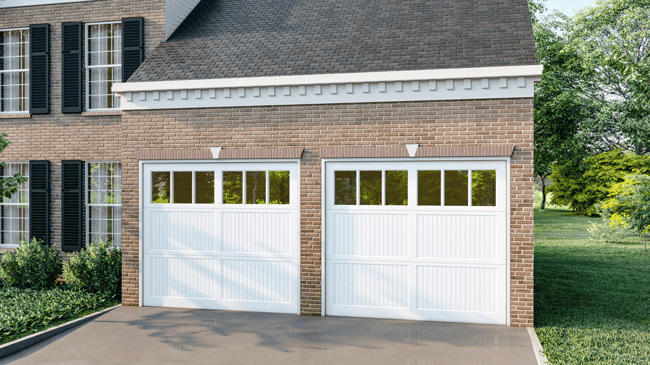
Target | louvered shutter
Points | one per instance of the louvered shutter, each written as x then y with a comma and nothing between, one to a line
71,67
132,46
39,200
72,193
39,69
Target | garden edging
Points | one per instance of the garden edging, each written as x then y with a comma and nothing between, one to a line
537,347
25,342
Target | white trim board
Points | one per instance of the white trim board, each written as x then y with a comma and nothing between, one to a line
17,3
394,86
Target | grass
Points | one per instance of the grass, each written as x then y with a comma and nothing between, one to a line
592,299
27,311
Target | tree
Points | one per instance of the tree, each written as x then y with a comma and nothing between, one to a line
629,204
612,41
8,185
589,185
559,106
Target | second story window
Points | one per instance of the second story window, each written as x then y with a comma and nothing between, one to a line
14,71
103,65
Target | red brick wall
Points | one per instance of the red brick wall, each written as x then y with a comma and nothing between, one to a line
58,136
392,124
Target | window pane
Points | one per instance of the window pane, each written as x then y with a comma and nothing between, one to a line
232,187
429,187
279,186
484,188
205,187
160,185
397,187
255,187
345,186
103,69
14,211
370,187
183,187
456,188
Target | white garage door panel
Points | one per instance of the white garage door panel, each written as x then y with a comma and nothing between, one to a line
221,256
187,231
411,261
371,235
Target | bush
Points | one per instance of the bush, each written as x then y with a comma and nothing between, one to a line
583,188
97,269
32,265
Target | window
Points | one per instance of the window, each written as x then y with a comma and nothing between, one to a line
103,65
14,71
375,187
261,187
104,204
14,211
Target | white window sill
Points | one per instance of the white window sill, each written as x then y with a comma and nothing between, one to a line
98,113
15,115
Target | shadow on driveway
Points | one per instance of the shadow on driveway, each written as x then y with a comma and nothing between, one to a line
167,335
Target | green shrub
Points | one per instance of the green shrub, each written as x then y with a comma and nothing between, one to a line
582,188
31,265
97,268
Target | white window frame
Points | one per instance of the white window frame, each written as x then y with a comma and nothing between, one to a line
26,190
26,70
88,68
89,205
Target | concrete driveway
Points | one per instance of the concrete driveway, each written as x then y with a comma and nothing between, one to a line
142,335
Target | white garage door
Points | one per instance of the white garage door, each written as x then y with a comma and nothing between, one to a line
221,236
417,240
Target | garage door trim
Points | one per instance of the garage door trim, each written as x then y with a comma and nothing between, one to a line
141,190
508,212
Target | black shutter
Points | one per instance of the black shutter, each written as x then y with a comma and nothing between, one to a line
71,67
39,68
72,192
132,46
39,200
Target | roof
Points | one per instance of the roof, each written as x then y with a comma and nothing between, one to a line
253,38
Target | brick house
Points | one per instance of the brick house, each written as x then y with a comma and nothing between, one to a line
358,158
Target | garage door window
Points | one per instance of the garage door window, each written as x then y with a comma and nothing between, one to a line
397,187
484,188
161,187
262,187
429,182
456,188
204,187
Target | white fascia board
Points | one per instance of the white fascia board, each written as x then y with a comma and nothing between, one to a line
359,77
16,3
398,86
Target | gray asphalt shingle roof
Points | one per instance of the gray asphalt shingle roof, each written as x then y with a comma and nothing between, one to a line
250,38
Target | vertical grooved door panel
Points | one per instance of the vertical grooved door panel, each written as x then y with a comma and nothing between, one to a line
410,261
262,281
181,231
371,235
256,232
218,255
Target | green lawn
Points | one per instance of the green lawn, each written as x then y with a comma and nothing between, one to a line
592,300
26,311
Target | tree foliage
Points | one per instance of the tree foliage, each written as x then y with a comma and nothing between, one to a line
8,185
612,41
584,187
629,204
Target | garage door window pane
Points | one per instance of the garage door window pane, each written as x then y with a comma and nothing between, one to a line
484,188
345,186
429,187
160,182
205,187
279,186
183,187
255,187
232,187
370,187
397,187
456,188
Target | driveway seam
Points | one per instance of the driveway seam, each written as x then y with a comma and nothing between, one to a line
25,342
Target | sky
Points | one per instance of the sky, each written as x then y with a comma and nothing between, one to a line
568,6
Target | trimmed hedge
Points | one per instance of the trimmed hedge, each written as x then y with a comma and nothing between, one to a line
32,265
97,269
